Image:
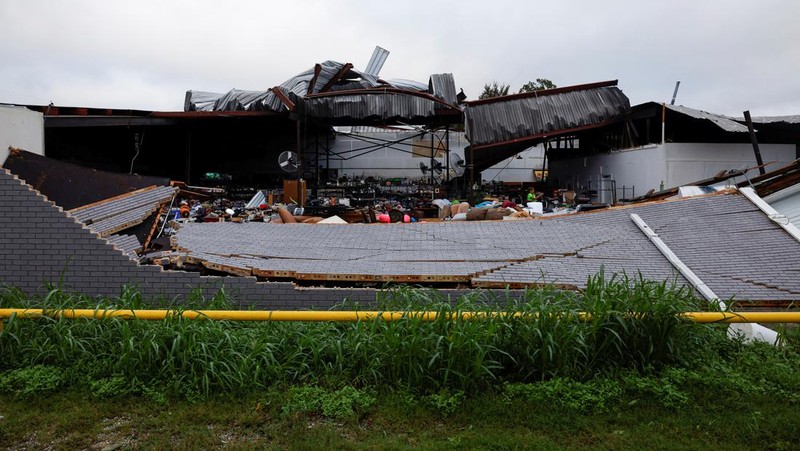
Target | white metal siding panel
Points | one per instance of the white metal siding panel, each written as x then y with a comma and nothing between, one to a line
787,202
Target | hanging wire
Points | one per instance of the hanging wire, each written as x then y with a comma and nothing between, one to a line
137,144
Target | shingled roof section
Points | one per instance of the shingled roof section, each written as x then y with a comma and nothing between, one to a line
122,212
726,240
128,244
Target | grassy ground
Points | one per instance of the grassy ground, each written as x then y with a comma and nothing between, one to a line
633,376
74,421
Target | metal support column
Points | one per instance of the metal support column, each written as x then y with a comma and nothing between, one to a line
300,163
544,161
188,174
447,145
316,148
756,150
432,159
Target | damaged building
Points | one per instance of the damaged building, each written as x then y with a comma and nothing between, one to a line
727,239
658,146
83,216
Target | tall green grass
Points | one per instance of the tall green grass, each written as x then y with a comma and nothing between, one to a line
633,328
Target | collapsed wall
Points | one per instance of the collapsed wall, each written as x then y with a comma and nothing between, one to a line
42,244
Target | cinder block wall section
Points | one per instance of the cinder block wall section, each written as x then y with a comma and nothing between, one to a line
41,244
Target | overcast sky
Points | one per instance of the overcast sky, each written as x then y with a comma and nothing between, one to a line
730,55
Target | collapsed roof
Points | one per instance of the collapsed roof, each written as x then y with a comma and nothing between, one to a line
724,122
106,203
531,115
500,127
336,91
125,211
338,94
723,238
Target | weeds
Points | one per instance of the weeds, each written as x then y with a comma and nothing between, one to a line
34,380
633,331
445,402
595,396
344,403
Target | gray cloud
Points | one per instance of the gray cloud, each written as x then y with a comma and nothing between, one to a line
729,56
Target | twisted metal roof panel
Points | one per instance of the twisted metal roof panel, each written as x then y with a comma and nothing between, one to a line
525,116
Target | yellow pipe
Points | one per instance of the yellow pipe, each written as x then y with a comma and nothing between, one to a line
742,317
241,315
351,316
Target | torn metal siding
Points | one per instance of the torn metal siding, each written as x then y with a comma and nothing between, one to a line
238,100
369,105
723,122
377,60
771,119
411,85
200,100
444,87
518,117
332,90
787,202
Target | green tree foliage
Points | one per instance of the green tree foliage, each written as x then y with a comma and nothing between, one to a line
538,85
494,89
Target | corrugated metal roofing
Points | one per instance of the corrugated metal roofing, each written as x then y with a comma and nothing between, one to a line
372,105
377,60
257,199
200,100
723,122
331,77
444,87
515,117
772,119
408,84
238,100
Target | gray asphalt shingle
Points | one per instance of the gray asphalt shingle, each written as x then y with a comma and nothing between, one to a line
730,244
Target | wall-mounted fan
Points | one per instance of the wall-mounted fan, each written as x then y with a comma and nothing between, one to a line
288,161
435,169
457,165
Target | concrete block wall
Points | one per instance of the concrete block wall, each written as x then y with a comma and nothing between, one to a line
40,243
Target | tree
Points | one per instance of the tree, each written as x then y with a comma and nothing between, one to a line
538,85
494,89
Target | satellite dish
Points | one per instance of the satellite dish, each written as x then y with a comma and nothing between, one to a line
457,165
288,161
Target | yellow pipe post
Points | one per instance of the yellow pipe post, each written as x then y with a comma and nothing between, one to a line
352,316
